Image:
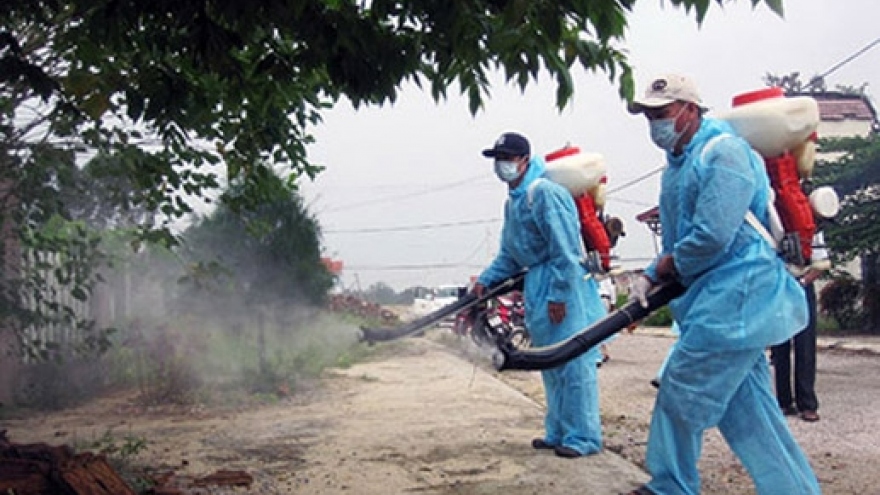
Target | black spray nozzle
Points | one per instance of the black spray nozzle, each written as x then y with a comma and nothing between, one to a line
542,358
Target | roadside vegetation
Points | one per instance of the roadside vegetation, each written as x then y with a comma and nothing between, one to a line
234,313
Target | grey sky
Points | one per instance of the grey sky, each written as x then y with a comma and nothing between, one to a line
407,199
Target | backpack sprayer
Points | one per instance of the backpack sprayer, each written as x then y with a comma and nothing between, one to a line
782,130
583,175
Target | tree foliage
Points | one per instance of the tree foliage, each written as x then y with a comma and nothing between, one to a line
169,97
239,83
855,176
792,83
855,232
267,256
49,257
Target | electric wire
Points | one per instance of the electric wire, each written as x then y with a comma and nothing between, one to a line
637,180
440,266
460,265
416,266
848,59
415,194
409,228
404,228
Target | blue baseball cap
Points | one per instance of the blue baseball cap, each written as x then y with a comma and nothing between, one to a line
510,143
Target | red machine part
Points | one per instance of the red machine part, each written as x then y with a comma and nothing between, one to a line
592,230
791,202
758,95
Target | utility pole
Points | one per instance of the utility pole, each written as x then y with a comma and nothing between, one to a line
357,283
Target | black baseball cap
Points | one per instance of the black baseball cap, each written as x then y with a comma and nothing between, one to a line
510,143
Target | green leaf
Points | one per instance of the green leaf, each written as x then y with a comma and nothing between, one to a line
140,89
79,294
775,6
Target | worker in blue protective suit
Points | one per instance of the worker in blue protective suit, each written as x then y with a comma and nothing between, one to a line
541,233
739,300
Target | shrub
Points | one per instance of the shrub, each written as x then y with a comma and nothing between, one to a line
660,318
59,383
839,299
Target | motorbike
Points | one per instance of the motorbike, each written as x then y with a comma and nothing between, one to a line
464,304
499,321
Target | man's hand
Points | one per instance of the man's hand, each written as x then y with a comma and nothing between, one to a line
478,290
556,310
638,290
810,276
666,268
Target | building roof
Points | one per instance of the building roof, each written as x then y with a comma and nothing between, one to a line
836,106
845,110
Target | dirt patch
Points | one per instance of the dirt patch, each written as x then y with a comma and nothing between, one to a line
422,420
429,416
840,447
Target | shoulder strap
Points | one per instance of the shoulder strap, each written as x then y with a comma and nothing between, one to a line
775,223
711,144
530,192
592,265
757,225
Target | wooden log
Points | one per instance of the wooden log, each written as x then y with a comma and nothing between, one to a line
225,477
25,477
89,474
42,469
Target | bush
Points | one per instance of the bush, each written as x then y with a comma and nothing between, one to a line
59,383
839,299
169,375
660,318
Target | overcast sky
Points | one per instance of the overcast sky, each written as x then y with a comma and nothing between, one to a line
407,199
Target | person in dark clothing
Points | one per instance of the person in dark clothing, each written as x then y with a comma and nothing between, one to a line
804,401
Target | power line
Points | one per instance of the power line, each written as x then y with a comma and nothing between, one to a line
381,268
477,249
849,59
436,266
635,202
638,179
410,228
376,230
419,227
424,192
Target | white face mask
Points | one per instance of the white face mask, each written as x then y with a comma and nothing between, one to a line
663,132
507,170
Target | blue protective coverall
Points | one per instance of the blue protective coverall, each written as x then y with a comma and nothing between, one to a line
739,301
674,331
541,233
